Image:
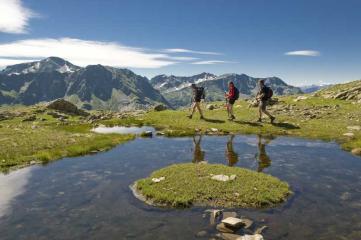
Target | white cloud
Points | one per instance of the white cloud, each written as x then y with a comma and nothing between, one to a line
181,50
11,186
14,17
308,53
83,52
209,62
7,61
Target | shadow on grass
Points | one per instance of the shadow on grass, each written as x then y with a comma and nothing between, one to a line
253,124
285,125
213,120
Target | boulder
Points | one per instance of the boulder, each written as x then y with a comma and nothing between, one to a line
233,222
157,180
64,106
223,178
299,98
226,229
356,151
354,128
147,134
349,134
30,118
210,107
220,177
160,107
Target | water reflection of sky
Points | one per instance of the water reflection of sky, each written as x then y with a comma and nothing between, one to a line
122,130
11,186
89,198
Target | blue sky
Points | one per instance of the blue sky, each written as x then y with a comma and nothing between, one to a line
185,37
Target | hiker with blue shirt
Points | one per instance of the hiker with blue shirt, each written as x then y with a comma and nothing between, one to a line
263,96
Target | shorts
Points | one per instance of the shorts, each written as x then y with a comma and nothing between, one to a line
263,104
231,101
197,100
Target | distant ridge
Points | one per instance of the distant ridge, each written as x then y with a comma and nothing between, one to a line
177,89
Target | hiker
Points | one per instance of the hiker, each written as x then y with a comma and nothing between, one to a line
232,156
231,97
264,161
197,95
198,154
263,96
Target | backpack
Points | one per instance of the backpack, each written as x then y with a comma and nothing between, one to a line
236,93
200,94
269,92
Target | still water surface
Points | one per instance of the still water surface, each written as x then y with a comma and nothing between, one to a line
89,197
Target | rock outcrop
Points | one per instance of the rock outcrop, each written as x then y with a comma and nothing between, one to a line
64,106
348,91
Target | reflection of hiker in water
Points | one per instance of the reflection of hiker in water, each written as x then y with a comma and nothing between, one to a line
232,156
198,154
263,159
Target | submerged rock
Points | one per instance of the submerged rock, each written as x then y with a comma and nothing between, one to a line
356,151
201,234
260,230
230,236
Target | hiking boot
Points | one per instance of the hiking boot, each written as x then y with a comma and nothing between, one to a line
272,119
189,116
259,120
231,118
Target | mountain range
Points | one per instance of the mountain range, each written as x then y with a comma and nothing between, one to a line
314,88
177,89
104,87
91,87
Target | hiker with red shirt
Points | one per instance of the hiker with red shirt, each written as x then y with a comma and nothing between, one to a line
231,97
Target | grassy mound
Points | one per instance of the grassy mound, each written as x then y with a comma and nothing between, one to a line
191,184
41,141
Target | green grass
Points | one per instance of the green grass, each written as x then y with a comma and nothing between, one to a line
191,184
22,143
328,125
